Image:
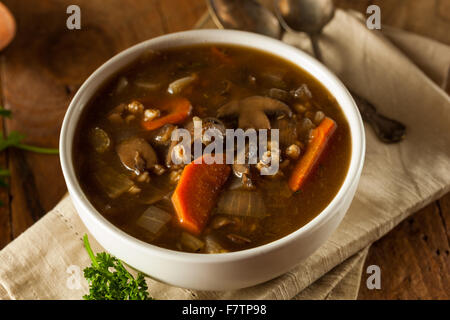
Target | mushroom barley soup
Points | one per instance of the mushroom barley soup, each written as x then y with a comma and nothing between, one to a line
129,166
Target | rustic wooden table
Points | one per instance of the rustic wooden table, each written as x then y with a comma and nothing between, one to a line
46,63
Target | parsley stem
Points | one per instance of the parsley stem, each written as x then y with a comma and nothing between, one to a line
89,250
37,149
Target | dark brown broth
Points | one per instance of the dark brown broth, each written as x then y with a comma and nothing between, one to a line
288,214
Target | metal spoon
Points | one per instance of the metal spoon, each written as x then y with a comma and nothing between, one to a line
246,15
309,16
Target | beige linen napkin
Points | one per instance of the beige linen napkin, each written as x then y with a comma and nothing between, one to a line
397,180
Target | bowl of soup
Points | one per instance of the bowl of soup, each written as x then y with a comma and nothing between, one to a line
212,159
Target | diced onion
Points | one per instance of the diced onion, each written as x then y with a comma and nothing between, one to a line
153,219
242,203
156,190
112,182
213,246
191,243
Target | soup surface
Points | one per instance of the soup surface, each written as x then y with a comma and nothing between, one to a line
138,175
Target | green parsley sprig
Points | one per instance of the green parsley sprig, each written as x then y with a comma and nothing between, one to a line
14,139
109,280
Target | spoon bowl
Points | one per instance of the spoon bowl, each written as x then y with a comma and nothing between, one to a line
246,15
308,16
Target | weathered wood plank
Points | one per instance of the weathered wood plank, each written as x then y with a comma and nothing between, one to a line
414,259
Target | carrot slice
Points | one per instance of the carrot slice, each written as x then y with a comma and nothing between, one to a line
305,165
178,110
197,192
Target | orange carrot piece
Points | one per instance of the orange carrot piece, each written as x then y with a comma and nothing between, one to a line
178,110
221,56
305,165
197,192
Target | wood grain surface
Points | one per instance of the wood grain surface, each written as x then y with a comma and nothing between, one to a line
46,63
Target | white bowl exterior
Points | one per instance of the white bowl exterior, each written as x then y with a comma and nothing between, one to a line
215,271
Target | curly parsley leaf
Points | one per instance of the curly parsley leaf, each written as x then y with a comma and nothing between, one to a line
109,280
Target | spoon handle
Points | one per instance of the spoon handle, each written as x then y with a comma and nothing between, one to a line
386,129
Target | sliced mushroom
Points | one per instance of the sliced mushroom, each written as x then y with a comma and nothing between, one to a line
136,155
280,94
252,111
178,85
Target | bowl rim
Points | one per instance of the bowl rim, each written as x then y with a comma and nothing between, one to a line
212,36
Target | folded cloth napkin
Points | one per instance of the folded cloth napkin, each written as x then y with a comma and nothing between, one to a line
397,180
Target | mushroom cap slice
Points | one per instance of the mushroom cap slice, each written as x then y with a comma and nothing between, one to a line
136,155
252,111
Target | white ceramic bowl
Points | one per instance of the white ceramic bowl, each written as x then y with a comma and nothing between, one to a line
215,271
